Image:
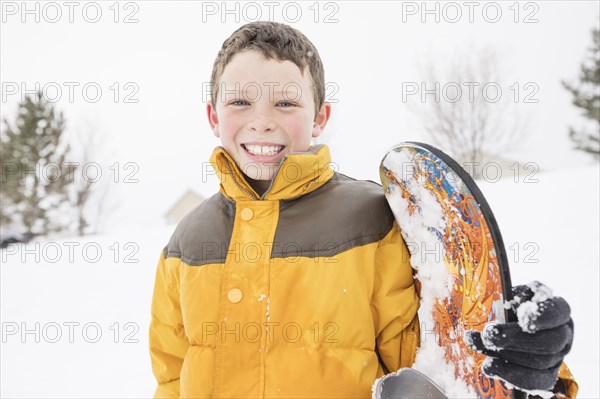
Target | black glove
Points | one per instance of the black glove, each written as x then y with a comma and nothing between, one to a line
527,353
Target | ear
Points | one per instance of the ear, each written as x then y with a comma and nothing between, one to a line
213,119
321,119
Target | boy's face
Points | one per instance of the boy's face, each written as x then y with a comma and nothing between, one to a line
265,109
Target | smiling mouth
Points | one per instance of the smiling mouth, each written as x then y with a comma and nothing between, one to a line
263,150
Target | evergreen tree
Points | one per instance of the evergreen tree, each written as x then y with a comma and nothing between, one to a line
586,96
34,175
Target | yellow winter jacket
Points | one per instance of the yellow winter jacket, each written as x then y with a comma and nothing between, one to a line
304,292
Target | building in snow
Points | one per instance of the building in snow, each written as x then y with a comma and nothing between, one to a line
188,201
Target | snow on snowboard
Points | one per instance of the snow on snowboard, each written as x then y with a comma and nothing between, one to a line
460,266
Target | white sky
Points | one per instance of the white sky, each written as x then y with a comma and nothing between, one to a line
368,53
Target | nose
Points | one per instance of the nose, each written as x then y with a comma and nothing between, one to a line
262,122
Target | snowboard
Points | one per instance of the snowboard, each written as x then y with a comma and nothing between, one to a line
458,259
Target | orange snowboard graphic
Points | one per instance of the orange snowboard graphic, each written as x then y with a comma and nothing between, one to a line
430,192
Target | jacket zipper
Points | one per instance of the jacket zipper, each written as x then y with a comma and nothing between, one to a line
252,196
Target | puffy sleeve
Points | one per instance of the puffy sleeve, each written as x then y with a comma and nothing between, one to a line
168,342
566,385
395,303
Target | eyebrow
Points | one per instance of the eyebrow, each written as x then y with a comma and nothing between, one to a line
280,91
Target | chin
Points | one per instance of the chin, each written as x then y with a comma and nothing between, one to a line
258,172
264,175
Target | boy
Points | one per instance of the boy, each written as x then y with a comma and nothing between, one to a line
293,280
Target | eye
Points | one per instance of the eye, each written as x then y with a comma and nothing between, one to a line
239,102
286,104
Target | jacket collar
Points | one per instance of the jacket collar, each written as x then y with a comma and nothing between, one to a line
298,173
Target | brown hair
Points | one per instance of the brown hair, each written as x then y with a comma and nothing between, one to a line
273,40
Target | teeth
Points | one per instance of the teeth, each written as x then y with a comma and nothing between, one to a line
263,149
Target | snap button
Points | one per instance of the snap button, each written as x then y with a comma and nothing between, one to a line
247,214
234,295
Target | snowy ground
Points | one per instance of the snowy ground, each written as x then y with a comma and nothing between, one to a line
551,233
74,323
